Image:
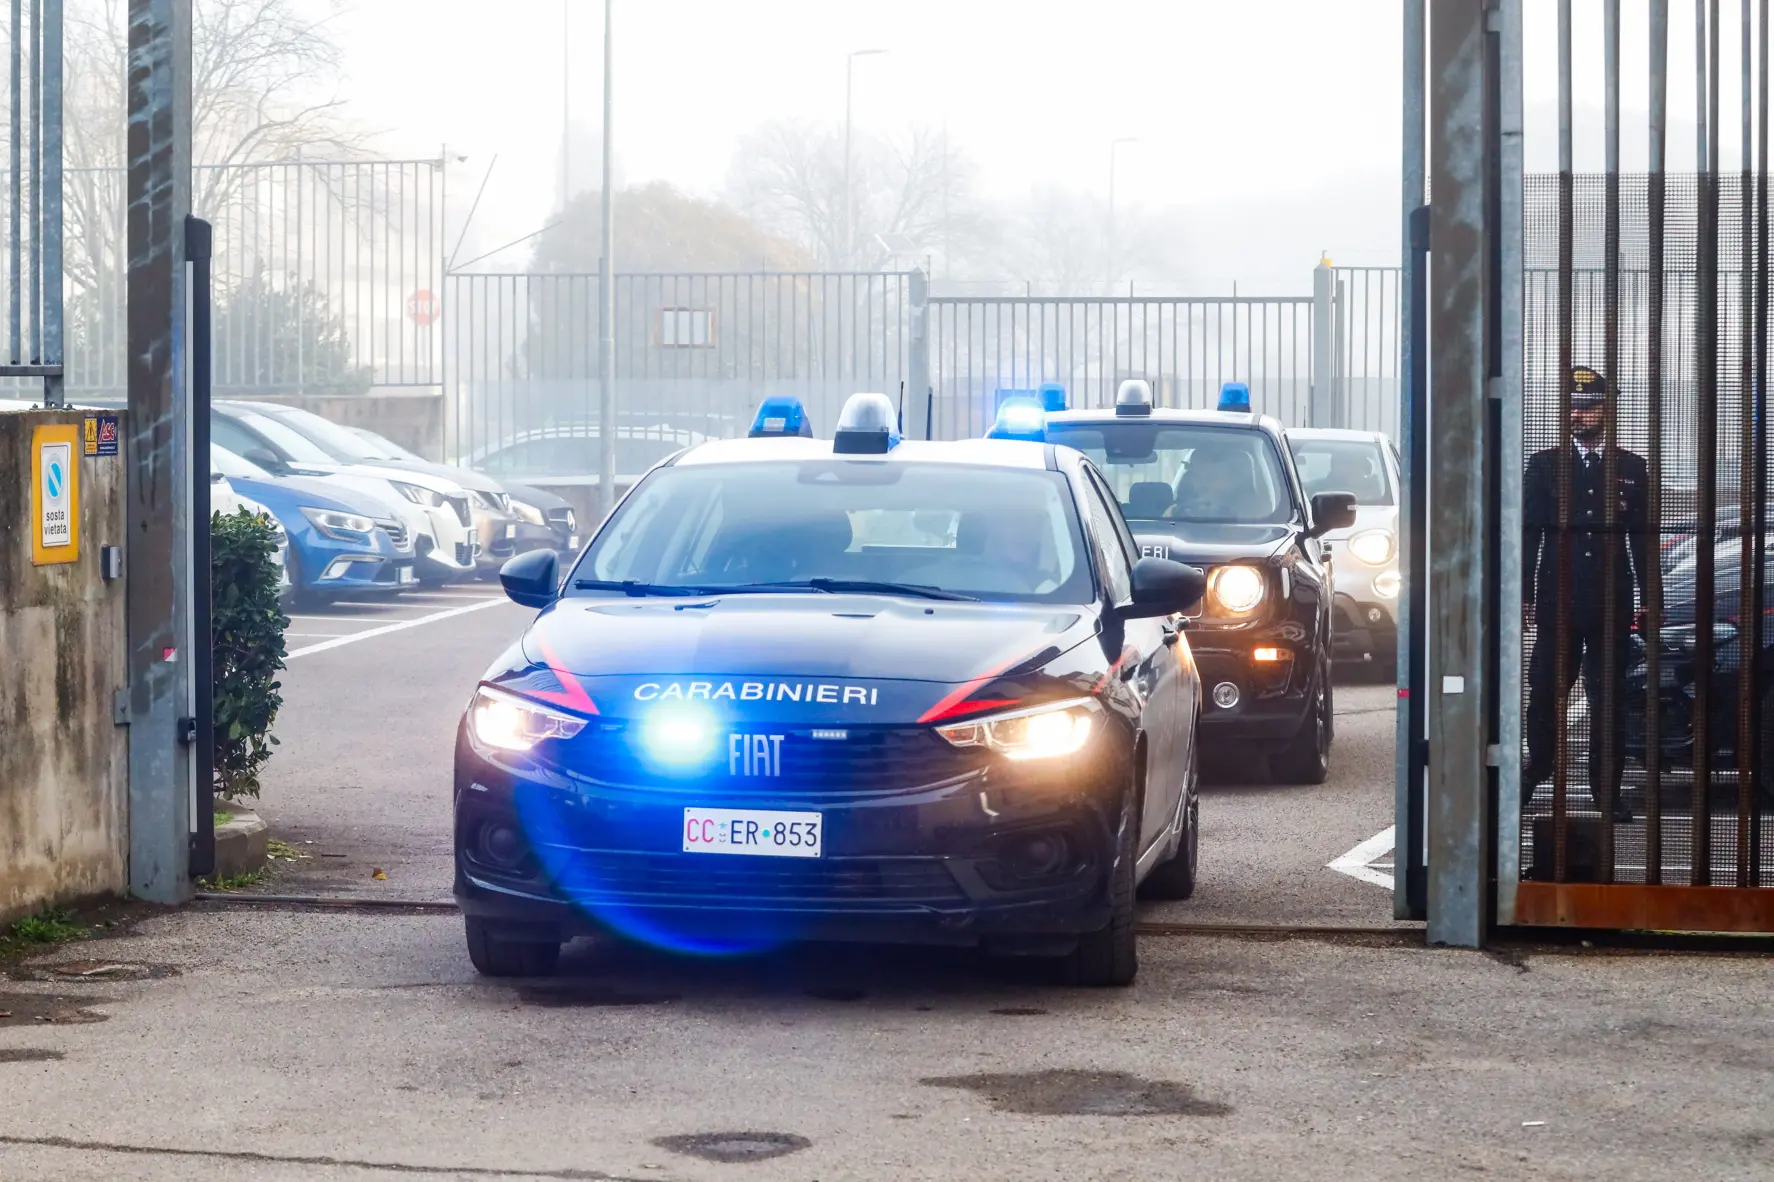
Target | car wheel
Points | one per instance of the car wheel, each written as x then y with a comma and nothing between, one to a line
1109,956
1306,760
494,957
1175,878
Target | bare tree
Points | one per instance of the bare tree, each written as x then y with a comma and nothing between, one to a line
912,198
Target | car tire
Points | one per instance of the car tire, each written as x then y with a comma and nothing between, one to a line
1109,957
495,957
1174,878
1306,759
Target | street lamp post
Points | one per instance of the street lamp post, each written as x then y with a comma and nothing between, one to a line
607,302
1114,148
849,71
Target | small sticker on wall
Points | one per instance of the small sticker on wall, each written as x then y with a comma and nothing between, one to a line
1453,685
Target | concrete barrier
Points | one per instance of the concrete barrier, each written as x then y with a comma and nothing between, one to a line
64,788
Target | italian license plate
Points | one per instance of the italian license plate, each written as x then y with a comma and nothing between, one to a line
762,832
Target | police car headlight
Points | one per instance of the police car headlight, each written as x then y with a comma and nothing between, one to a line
1043,732
511,723
1236,589
1373,546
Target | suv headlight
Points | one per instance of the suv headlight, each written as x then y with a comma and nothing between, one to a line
1236,590
511,723
346,527
528,513
1372,546
417,494
1040,732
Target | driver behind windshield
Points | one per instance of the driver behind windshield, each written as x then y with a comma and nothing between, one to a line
1216,486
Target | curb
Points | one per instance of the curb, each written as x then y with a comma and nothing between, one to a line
242,844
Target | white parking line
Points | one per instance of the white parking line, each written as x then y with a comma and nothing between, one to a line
1363,862
397,626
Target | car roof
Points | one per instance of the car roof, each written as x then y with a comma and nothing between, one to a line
1206,418
990,453
1337,433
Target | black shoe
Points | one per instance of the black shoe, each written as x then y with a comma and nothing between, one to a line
1622,811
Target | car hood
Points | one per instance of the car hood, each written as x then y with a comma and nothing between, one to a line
628,652
381,471
1199,543
286,493
466,477
537,497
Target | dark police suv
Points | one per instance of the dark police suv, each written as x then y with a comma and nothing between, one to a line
854,688
1218,490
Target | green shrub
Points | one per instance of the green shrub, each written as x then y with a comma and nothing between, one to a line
247,627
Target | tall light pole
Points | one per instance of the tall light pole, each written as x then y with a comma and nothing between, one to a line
606,298
1114,149
849,73
566,105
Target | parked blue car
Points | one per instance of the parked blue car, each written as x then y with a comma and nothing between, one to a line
340,540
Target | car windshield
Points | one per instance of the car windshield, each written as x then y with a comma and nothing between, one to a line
1342,465
234,467
1185,472
386,447
988,533
296,447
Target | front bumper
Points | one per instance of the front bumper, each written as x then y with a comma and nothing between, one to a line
1273,697
1363,626
941,862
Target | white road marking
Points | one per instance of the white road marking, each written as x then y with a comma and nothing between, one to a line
345,619
1362,861
397,626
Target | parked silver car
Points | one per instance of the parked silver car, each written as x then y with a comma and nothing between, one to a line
1364,557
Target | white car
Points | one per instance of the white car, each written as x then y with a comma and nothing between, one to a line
571,454
437,510
1364,557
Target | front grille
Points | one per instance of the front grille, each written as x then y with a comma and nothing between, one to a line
589,874
464,553
496,502
866,762
396,532
459,502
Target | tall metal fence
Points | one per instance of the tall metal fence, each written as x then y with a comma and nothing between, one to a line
694,354
326,272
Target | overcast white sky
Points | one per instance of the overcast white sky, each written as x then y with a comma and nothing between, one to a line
1274,122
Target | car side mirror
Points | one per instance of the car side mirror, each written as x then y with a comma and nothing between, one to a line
265,459
1164,588
1332,510
532,579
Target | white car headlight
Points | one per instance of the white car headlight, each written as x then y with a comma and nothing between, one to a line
511,723
1040,732
1372,546
1236,589
417,494
346,527
528,513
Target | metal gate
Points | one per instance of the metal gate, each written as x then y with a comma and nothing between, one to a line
1644,800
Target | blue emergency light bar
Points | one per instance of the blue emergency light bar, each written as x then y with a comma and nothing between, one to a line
1020,418
1235,398
778,417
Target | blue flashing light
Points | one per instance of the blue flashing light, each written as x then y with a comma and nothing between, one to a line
1053,397
679,738
1235,398
1020,418
781,416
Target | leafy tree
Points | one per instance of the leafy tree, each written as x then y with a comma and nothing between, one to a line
271,335
661,229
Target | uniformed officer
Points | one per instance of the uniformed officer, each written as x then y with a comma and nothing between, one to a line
1587,635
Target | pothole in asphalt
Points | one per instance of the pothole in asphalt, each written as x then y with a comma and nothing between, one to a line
30,1009
733,1147
588,995
28,1055
1083,1093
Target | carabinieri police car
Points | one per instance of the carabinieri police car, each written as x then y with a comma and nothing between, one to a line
855,688
1218,489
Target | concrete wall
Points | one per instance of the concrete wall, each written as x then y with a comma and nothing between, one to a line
414,419
64,788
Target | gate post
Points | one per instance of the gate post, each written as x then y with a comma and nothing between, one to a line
918,400
1322,411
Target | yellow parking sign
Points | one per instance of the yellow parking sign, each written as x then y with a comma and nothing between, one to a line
55,494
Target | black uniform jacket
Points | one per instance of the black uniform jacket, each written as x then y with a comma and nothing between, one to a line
1634,549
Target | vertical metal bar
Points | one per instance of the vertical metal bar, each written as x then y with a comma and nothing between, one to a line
15,300
1655,205
1561,622
1460,160
607,295
1756,617
1746,712
51,213
1603,793
36,222
1706,343
1510,444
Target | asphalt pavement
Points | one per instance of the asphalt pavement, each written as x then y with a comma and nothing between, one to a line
287,1043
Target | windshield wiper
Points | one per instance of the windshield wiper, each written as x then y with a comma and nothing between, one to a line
638,589
870,586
